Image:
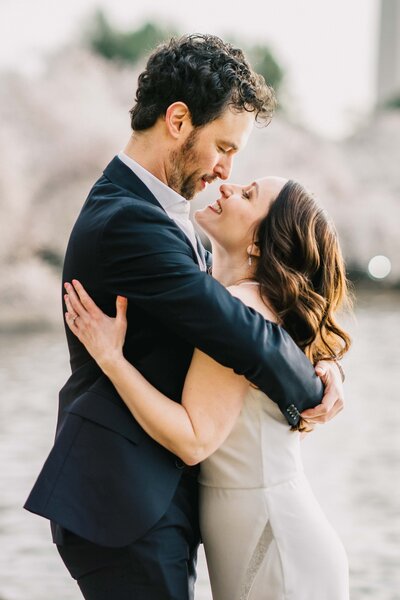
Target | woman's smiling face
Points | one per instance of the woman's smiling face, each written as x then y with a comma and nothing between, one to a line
232,220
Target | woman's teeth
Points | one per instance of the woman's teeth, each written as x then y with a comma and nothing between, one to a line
217,207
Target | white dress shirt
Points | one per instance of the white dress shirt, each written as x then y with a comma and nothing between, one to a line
175,205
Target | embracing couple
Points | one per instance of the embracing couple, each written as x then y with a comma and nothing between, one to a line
224,367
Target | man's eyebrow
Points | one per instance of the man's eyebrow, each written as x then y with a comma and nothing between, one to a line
230,145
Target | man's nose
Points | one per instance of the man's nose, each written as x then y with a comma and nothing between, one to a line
224,167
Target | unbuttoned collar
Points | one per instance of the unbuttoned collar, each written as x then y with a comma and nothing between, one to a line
171,201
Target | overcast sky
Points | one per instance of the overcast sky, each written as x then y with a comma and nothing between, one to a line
329,48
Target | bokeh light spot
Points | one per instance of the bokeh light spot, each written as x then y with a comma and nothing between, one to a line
379,267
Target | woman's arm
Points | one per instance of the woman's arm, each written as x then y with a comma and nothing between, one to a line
143,257
211,402
212,396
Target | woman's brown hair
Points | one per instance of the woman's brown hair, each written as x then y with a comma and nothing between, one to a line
302,274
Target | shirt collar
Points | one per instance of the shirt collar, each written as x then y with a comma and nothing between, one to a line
166,196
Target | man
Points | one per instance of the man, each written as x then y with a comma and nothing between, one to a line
123,509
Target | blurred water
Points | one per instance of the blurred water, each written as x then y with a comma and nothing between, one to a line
353,463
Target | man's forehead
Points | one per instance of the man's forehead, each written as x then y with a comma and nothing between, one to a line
231,116
233,127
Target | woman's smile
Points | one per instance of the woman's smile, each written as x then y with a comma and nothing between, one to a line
240,208
216,207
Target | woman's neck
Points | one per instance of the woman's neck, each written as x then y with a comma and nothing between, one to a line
229,268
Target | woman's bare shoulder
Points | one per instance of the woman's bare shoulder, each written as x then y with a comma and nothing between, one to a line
250,295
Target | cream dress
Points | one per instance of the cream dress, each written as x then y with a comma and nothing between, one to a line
265,536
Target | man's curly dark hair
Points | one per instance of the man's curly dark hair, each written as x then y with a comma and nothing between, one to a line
205,73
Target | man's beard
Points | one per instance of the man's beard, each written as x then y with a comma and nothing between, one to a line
184,176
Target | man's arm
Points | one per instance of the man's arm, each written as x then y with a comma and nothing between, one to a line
145,259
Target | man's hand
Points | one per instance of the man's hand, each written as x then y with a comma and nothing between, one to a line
333,400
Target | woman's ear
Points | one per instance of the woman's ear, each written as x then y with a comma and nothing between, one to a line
177,119
253,249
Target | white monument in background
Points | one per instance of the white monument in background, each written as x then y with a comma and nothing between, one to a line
389,52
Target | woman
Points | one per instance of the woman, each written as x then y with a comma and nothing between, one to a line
264,534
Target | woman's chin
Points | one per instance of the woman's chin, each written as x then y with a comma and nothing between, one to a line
210,222
201,218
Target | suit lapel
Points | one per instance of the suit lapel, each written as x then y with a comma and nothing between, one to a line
120,174
124,177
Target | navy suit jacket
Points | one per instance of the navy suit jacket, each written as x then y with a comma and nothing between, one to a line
105,479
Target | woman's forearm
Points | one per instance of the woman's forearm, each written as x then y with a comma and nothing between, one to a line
212,396
164,420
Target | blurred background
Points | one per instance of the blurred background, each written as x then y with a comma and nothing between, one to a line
68,75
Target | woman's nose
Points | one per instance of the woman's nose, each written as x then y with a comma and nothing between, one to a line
226,190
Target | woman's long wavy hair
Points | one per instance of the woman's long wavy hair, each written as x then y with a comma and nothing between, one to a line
302,273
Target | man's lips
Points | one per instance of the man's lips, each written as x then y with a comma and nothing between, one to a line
207,179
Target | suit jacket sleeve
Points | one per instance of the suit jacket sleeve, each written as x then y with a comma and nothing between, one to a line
146,258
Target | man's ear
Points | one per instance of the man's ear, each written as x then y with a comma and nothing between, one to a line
253,249
178,120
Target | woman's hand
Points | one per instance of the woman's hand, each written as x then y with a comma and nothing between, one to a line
102,336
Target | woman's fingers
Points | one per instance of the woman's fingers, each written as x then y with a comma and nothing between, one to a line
70,320
121,305
71,313
71,317
84,297
76,322
74,300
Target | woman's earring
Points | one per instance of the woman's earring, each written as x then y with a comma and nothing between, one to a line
250,261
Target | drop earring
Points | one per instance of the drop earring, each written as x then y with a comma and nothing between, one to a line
250,261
